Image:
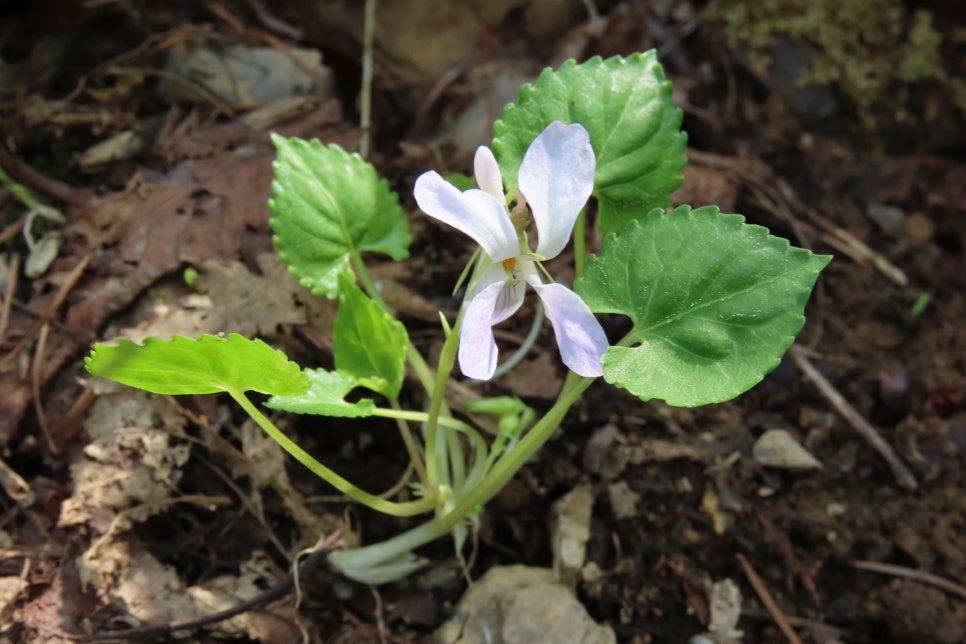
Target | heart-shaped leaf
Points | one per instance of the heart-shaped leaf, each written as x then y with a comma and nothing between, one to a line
715,303
625,104
327,204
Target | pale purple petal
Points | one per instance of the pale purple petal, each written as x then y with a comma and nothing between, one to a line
580,337
474,212
557,177
487,173
494,301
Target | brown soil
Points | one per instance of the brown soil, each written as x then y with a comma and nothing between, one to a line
679,498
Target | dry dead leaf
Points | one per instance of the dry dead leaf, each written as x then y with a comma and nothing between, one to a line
199,212
265,464
535,378
153,594
250,304
10,589
132,461
391,278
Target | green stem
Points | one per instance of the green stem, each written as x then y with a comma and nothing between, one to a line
411,446
437,472
19,192
481,456
513,460
406,509
447,360
422,417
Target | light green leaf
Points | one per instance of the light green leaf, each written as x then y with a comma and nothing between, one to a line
327,204
715,303
369,344
205,365
325,397
626,106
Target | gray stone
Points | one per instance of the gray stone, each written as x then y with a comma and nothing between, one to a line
521,605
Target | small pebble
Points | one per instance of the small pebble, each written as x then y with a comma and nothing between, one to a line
777,448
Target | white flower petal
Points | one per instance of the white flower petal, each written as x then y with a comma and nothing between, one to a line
510,298
493,303
487,173
474,212
557,177
580,337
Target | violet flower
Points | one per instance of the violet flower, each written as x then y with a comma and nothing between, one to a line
555,180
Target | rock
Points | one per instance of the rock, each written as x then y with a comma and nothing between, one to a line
570,530
777,448
243,76
521,605
889,218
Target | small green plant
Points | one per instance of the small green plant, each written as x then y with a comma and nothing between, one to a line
713,302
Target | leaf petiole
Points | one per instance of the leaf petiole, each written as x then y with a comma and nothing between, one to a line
405,509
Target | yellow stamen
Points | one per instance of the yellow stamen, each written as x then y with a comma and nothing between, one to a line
509,264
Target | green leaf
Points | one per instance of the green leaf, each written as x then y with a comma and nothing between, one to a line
205,365
327,204
715,303
369,344
325,397
626,106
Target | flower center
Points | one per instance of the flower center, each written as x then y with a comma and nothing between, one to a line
510,264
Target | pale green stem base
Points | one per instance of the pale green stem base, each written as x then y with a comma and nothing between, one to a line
388,560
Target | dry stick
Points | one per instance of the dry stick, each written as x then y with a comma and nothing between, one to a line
860,424
13,484
915,575
785,547
273,22
48,316
758,175
13,230
768,601
19,170
276,592
36,375
365,94
13,270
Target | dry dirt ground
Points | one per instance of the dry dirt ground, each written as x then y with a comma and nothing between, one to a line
837,125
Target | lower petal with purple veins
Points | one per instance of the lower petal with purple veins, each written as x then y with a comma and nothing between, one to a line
491,304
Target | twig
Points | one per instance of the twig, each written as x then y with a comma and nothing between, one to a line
380,622
783,198
365,94
273,22
276,592
13,269
13,229
26,174
13,484
36,376
776,614
860,424
48,316
785,547
916,575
